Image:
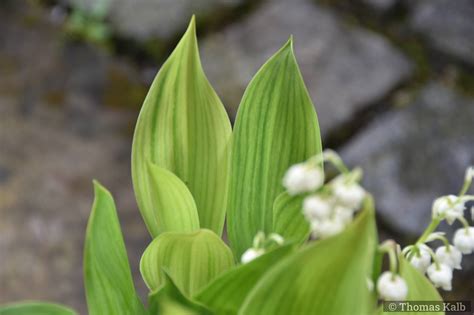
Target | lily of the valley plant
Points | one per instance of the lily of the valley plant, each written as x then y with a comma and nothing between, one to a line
298,242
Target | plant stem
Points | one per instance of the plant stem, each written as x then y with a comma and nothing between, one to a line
430,229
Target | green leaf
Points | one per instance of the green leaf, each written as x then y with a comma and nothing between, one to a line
276,126
226,293
328,277
169,300
192,259
288,218
184,128
419,288
177,207
35,308
107,277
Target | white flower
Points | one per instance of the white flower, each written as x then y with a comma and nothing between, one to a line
250,254
441,276
277,238
301,178
343,214
451,207
452,258
421,260
392,287
349,195
326,228
315,207
464,240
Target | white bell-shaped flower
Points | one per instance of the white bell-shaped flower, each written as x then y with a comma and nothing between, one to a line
451,207
422,259
392,287
451,257
315,207
464,240
441,275
349,195
301,178
326,228
250,254
343,214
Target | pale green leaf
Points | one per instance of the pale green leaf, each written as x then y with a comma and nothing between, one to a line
192,260
328,277
226,293
177,209
35,308
169,300
288,218
107,277
184,128
276,126
419,288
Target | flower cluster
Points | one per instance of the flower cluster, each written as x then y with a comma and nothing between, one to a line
438,265
328,208
261,244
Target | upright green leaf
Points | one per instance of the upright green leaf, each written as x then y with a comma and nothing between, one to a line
276,126
192,260
328,277
35,308
288,218
419,288
177,207
107,277
184,128
169,300
226,293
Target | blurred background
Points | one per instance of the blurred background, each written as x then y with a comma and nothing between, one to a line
392,80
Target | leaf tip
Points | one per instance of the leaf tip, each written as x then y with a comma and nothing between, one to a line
192,26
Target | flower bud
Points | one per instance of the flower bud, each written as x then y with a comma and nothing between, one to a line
451,257
343,214
422,259
326,228
349,195
451,207
441,276
250,254
315,207
301,178
464,240
392,287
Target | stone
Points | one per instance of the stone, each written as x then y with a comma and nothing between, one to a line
162,19
346,68
411,156
56,136
447,25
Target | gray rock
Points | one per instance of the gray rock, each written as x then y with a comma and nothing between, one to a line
381,5
447,25
411,156
163,19
345,68
55,137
